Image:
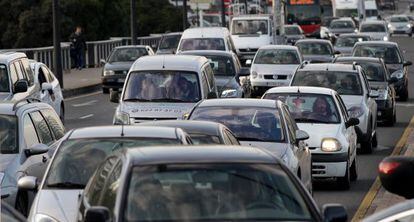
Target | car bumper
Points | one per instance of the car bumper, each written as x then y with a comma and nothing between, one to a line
401,31
113,82
329,165
385,110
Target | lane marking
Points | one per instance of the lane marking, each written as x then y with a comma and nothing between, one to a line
405,104
85,103
86,117
83,96
376,186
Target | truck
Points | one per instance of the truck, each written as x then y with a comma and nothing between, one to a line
349,8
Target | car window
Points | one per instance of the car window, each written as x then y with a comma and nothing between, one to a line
202,44
8,134
169,42
221,65
127,54
342,107
27,71
29,132
18,70
276,56
389,53
13,73
373,28
399,19
41,77
292,30
341,24
231,137
250,27
54,123
345,41
111,188
314,48
4,79
42,128
204,139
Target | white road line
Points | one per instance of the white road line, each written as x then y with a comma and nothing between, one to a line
82,96
85,103
86,117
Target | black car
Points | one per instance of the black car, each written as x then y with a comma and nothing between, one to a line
118,64
168,43
208,183
381,82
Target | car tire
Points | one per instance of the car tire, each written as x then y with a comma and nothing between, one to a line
344,183
105,91
367,143
404,94
354,171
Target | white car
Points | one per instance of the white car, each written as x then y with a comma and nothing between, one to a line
351,83
400,24
51,93
377,30
273,65
210,38
265,124
332,137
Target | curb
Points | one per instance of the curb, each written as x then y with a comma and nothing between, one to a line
67,93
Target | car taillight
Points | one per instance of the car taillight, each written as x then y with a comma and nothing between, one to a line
388,167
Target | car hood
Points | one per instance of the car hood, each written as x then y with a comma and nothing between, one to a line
317,132
318,58
116,66
59,204
277,149
5,96
274,69
156,110
250,41
378,85
351,101
344,50
376,35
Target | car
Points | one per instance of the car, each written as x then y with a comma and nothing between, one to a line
210,38
16,77
316,50
377,30
188,183
266,124
393,58
332,137
76,157
168,43
380,81
119,62
27,128
272,66
345,42
293,33
400,24
353,87
164,87
342,25
51,92
9,214
227,72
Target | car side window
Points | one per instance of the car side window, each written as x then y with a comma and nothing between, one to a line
13,74
48,74
111,187
365,81
204,84
210,78
28,71
19,70
42,128
54,122
29,132
290,125
41,77
342,107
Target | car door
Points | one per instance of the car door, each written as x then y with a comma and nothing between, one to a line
349,132
54,95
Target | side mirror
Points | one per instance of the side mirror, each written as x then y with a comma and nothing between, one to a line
244,72
230,93
334,213
97,214
397,175
248,62
21,86
393,80
103,61
114,96
352,122
28,183
407,63
301,135
212,95
36,149
373,94
47,86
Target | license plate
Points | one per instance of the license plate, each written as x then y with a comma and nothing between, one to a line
275,83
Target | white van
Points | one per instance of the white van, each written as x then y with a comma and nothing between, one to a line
371,10
208,38
349,8
164,87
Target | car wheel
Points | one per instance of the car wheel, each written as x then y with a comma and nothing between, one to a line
344,182
105,91
404,95
22,203
354,171
366,144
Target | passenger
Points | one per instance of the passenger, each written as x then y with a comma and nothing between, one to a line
240,29
268,126
347,84
262,28
149,90
321,110
185,92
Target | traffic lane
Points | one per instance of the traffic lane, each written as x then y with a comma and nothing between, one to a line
89,110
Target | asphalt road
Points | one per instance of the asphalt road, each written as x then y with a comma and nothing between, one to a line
95,109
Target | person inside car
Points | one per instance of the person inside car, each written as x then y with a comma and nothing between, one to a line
268,126
321,110
149,90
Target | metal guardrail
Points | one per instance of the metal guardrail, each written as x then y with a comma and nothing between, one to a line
98,50
151,40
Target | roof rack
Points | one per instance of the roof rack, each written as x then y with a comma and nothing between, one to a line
28,100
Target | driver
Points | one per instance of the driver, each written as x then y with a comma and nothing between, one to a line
321,110
290,58
268,126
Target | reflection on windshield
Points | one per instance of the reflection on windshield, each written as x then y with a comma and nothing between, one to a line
349,41
388,53
8,135
222,66
345,83
213,192
373,71
314,48
127,54
249,27
75,162
309,108
292,31
248,124
170,42
204,139
162,86
202,44
4,79
373,28
276,56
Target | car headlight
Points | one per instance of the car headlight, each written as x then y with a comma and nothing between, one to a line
385,38
355,111
330,145
254,74
229,93
44,218
398,74
109,72
389,26
408,25
121,118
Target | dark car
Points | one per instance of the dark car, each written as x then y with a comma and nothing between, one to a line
393,58
169,43
316,50
227,70
202,183
118,64
345,43
381,82
293,33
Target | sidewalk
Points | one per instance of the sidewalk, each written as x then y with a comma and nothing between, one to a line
83,81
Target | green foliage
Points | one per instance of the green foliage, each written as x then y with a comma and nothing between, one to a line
28,23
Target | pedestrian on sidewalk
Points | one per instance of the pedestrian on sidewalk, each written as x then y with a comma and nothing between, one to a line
79,47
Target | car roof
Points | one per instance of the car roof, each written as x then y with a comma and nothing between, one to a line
374,22
313,41
353,35
376,43
172,33
355,58
198,155
6,56
131,46
301,89
238,103
209,32
286,47
11,107
207,52
128,131
189,126
169,62
329,67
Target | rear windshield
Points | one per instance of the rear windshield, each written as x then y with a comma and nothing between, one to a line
349,41
374,71
340,24
169,42
372,28
127,54
202,44
292,30
277,56
314,48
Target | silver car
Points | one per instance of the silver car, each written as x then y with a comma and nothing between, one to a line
377,30
400,24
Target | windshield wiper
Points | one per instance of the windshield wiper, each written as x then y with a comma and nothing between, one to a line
67,185
250,139
136,100
306,120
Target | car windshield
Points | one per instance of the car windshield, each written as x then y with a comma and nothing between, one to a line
162,86
373,28
399,19
341,24
371,12
127,54
8,135
169,42
213,192
4,79
309,108
373,71
202,44
204,139
349,41
345,83
314,48
249,27
292,30
76,160
247,123
276,56
222,65
388,53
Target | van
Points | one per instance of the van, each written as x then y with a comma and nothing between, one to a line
371,10
164,87
209,38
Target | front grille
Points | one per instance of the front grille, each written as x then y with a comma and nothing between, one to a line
318,169
276,77
249,50
121,72
144,119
